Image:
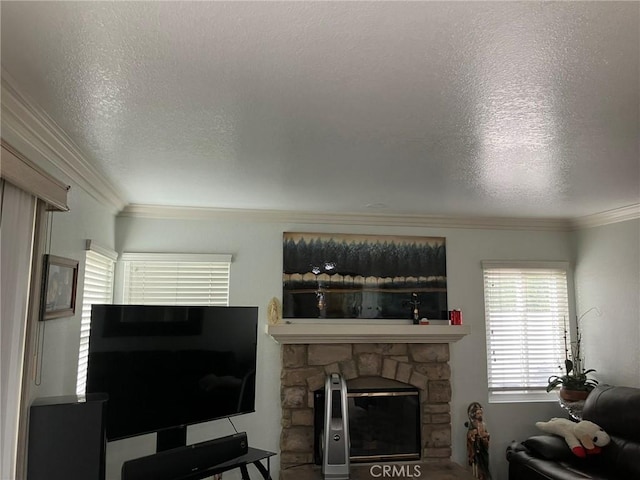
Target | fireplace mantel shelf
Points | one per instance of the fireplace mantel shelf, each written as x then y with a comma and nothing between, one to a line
306,333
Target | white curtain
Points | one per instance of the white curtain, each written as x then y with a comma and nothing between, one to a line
17,217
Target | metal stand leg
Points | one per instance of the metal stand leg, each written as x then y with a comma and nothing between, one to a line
245,473
263,471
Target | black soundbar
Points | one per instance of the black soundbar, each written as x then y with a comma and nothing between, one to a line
182,461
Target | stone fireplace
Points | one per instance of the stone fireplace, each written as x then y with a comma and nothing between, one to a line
304,369
413,355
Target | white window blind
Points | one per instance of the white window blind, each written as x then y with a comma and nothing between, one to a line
176,279
526,307
98,289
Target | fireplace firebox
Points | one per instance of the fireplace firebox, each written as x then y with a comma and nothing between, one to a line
384,420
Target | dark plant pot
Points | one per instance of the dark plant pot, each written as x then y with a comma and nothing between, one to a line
573,395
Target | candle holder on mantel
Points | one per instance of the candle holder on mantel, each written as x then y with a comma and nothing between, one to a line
322,304
414,303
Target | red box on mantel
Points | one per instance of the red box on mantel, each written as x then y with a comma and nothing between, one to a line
455,317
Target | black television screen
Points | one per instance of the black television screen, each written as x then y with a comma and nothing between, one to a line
171,366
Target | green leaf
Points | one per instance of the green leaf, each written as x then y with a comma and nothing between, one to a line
568,365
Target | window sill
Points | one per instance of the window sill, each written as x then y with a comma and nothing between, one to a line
523,397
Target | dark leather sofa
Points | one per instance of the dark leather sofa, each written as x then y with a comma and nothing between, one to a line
617,411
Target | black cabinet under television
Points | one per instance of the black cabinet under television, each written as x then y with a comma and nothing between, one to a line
67,438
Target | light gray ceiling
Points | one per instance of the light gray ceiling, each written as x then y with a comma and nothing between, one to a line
440,108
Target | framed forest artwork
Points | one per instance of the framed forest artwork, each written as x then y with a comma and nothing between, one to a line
347,276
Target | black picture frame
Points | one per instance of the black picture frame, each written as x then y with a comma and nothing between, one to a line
59,285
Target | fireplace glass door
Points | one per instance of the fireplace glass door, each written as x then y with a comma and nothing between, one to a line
384,423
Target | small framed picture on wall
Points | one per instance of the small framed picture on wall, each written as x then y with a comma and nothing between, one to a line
59,287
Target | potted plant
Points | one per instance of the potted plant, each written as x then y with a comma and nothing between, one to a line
575,384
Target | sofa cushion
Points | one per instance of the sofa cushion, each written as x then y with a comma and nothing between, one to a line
524,465
623,456
616,410
549,447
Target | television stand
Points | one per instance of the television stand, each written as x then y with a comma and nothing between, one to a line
254,456
201,460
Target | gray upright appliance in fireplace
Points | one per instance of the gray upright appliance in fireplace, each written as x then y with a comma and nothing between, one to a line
335,444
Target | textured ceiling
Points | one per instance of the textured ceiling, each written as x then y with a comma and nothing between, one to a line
444,108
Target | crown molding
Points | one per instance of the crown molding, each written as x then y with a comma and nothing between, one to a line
630,212
26,123
328,218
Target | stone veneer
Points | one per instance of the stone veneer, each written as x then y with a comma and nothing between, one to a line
304,370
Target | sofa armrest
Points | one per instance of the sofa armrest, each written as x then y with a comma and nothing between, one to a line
549,447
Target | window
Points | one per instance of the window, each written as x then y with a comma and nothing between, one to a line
526,310
163,279
176,279
98,288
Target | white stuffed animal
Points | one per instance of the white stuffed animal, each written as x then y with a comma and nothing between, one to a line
583,437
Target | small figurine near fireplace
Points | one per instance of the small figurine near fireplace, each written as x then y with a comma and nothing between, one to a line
478,442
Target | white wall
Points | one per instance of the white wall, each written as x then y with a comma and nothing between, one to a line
256,276
86,219
607,276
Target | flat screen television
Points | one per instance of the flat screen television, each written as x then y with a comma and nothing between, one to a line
166,367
